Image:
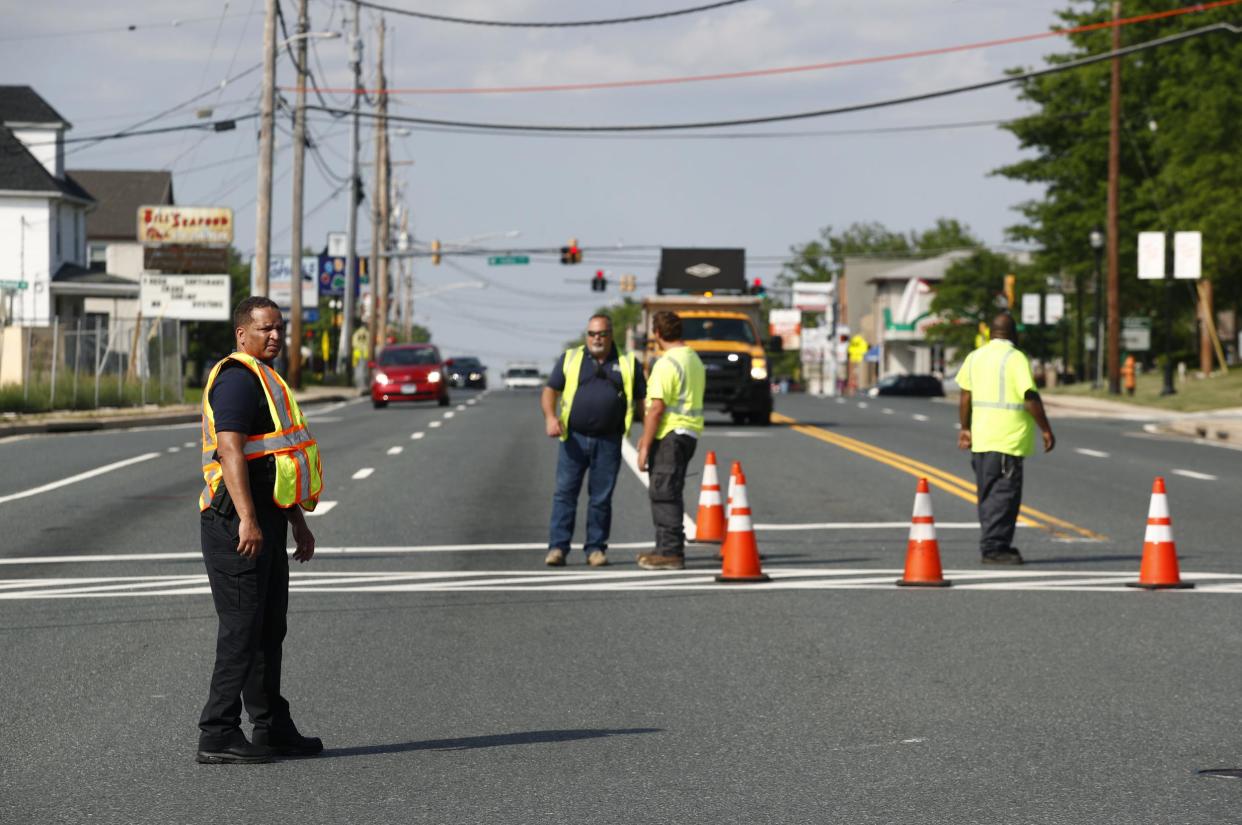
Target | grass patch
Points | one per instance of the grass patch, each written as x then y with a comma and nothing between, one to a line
1193,394
38,397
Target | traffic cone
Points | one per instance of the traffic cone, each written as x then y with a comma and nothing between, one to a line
923,551
734,472
1158,570
740,551
709,526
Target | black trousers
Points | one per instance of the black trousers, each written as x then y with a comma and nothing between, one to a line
667,470
998,482
251,598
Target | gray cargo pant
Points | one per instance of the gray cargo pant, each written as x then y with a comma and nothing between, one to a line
667,466
998,484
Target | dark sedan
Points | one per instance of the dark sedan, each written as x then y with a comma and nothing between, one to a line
928,386
467,371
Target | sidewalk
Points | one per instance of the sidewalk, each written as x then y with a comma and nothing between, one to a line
1223,425
116,418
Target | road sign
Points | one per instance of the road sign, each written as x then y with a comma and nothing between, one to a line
1151,256
1187,255
338,244
1054,308
505,260
14,285
185,297
1136,334
1030,308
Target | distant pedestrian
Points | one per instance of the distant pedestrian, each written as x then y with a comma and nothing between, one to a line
671,429
261,469
998,411
599,386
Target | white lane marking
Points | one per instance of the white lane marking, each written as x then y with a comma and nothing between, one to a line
839,400
1193,474
434,424
734,434
321,509
174,449
318,411
395,450
887,411
98,471
449,414
472,402
327,419
461,407
872,525
416,436
363,473
920,417
1092,453
862,405
190,444
630,454
542,581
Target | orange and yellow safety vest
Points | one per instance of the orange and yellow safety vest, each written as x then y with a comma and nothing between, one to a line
299,471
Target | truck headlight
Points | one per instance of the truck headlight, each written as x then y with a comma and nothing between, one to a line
758,372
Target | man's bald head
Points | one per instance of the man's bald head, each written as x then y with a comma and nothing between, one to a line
1002,326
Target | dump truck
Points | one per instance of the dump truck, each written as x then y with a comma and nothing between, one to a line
707,288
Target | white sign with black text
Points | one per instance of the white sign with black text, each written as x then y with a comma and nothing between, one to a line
185,297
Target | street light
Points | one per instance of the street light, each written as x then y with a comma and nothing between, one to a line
1097,244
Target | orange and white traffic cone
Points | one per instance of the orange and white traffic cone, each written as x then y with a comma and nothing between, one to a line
710,526
734,472
1158,570
923,550
740,551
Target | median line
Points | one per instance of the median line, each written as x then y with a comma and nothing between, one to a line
950,483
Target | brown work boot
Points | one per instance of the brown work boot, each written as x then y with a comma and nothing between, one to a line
555,558
597,559
653,561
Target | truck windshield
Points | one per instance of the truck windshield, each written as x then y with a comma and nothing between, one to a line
717,329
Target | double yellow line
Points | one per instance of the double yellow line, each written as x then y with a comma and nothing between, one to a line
956,485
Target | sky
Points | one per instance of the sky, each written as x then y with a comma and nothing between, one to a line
765,188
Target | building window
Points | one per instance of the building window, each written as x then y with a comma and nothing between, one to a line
97,255
58,220
77,234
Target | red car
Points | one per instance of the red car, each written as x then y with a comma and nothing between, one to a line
409,372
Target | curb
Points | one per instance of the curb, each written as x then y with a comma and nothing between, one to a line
128,421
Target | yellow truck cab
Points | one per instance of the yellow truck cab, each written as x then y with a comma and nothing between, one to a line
724,329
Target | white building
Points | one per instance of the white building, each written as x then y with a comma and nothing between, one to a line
901,314
42,211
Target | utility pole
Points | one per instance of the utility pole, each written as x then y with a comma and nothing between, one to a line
344,348
379,211
1114,178
407,278
299,170
267,106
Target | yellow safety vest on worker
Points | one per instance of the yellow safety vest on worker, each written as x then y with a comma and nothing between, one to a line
299,472
571,365
998,376
679,380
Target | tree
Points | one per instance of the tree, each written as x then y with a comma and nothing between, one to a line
971,293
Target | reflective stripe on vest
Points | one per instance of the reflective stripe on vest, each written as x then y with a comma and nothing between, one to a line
571,365
1001,388
685,400
299,470
686,410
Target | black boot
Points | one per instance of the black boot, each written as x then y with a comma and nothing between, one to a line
234,750
287,741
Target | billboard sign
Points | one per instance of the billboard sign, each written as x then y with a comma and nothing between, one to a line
331,273
199,225
280,279
695,271
787,324
812,296
185,297
185,259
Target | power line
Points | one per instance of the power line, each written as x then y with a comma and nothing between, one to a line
839,110
810,67
171,24
558,24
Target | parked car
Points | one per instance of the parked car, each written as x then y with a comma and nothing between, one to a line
467,371
523,376
922,385
409,372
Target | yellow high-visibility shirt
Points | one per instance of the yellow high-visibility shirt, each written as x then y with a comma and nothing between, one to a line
998,376
679,380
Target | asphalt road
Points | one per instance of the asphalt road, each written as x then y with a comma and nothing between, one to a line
455,679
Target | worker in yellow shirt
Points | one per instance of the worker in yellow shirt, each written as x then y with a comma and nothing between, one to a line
999,411
671,429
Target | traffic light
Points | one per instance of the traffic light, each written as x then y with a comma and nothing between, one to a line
435,252
571,254
757,288
599,283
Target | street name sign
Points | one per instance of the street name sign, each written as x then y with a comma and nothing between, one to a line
505,260
14,285
185,297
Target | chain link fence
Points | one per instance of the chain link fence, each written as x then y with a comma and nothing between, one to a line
91,362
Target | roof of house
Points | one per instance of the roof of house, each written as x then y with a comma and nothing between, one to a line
120,192
20,171
22,104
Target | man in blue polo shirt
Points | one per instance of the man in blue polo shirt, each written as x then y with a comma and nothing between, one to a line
598,387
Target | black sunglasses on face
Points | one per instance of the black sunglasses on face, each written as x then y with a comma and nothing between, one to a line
603,333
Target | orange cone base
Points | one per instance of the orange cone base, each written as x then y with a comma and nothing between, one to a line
1173,586
723,579
940,583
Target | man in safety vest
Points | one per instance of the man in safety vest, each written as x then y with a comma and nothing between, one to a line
261,468
598,386
999,410
671,429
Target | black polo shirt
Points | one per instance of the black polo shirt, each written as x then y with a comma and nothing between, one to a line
239,405
599,404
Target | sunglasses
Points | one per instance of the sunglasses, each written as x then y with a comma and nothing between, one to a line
603,333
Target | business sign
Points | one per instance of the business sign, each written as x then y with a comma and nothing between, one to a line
812,296
1187,255
1151,256
280,280
331,273
200,225
786,323
185,297
185,259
